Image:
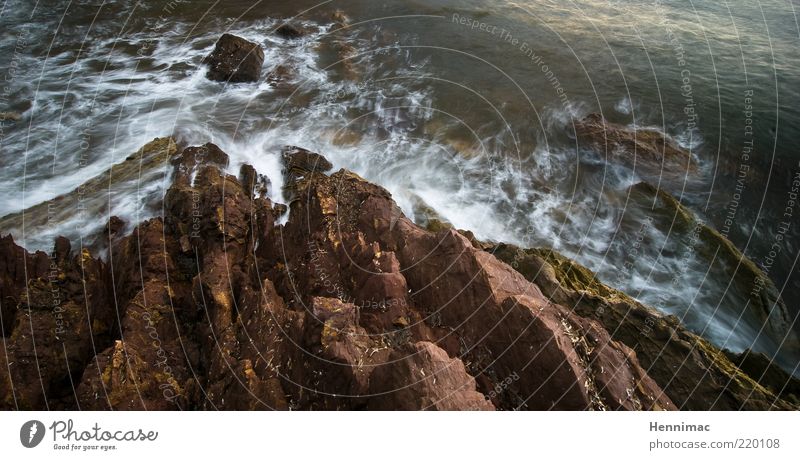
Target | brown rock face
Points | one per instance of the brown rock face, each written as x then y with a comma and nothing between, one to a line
61,311
349,305
235,60
647,150
431,380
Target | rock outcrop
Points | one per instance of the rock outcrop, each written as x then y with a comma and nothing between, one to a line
763,370
62,311
348,305
235,60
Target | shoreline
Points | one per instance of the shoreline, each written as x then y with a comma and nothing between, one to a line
259,294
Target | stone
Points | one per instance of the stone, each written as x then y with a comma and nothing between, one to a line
290,31
235,60
647,150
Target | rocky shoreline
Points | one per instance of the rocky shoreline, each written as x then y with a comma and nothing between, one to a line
347,305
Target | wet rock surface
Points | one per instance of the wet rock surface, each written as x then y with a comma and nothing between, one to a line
647,150
96,196
348,305
290,31
10,116
235,60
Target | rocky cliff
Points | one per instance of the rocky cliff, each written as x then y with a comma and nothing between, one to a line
347,305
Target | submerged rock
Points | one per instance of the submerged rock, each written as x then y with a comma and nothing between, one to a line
340,19
645,149
278,76
10,116
234,60
290,31
97,196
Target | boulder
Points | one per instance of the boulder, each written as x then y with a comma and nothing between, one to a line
290,31
235,60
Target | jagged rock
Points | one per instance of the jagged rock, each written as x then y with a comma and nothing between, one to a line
299,163
63,312
692,372
427,217
235,60
16,267
192,159
115,226
257,184
492,316
647,150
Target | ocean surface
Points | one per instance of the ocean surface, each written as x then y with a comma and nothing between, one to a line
462,108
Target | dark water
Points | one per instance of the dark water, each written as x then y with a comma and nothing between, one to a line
463,106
